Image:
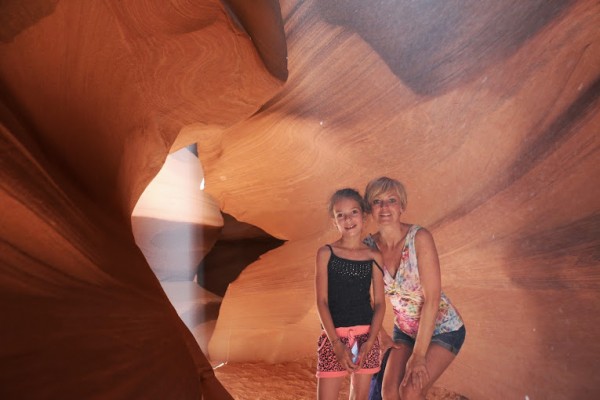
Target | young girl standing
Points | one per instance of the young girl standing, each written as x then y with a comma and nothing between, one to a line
347,271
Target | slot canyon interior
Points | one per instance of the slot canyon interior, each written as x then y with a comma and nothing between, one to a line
165,168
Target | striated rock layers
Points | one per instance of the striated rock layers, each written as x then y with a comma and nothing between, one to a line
489,112
94,96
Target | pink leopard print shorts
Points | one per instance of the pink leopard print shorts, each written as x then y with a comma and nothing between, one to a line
327,363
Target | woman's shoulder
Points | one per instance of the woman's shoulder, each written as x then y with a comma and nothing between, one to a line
422,234
415,228
419,229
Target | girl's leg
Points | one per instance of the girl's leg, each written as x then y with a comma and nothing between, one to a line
437,360
329,388
359,386
394,372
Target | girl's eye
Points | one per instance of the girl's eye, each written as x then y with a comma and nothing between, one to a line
354,212
338,216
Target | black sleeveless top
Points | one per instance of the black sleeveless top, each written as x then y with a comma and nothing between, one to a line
349,297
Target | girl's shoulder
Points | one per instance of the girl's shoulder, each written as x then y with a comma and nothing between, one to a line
325,249
363,253
375,255
324,253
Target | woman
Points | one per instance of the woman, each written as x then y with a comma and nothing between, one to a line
346,272
428,330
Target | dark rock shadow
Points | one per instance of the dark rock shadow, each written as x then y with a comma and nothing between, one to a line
238,245
434,46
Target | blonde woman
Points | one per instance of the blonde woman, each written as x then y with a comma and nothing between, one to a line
428,330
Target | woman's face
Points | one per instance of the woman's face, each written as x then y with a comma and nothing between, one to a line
348,217
386,208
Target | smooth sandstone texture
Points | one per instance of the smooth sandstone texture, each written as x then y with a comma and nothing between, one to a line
93,97
489,112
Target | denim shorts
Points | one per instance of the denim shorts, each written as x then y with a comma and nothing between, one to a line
451,341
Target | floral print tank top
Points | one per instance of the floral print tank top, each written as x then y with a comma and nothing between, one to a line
406,293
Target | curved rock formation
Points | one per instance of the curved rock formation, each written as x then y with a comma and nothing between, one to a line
488,111
175,223
93,98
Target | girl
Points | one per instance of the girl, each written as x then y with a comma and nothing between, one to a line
346,271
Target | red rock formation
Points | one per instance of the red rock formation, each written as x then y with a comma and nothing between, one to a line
488,111
93,98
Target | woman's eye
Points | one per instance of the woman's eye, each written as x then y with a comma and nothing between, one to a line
376,202
392,200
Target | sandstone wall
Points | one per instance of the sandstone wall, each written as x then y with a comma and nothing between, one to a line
488,111
93,97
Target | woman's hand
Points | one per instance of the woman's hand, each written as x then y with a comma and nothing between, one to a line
385,341
344,356
416,372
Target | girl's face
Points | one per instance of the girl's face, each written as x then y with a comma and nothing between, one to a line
386,208
348,217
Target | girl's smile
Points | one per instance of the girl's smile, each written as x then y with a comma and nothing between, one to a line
348,216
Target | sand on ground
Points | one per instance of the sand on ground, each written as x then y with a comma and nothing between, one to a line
287,381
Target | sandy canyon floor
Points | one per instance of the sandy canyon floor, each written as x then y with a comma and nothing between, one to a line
287,381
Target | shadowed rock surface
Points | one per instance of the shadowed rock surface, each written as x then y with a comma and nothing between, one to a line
93,99
237,245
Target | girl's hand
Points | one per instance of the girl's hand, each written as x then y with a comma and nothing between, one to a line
416,372
344,356
362,353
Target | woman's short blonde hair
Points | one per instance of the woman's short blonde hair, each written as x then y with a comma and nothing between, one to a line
384,185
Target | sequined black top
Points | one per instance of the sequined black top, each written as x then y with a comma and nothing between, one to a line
349,296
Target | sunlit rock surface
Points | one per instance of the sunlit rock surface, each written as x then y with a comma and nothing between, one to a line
175,223
489,112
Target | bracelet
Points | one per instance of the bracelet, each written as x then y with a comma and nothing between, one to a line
334,341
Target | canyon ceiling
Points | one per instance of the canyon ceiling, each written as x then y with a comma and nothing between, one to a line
488,111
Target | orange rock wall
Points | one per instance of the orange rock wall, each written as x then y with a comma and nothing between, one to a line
490,114
488,111
93,97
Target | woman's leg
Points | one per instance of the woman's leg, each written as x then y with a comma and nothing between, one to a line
394,372
437,360
329,388
359,386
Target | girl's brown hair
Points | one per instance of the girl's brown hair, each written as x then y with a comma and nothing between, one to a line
346,193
